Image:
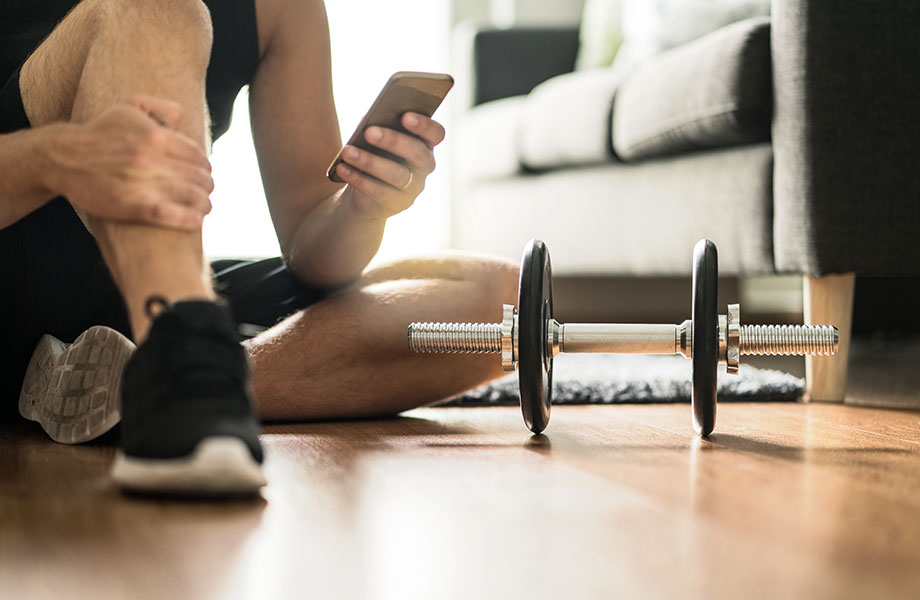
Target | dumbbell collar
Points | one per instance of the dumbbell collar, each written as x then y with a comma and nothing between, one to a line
509,337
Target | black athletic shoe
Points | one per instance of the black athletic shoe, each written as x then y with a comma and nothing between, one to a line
187,421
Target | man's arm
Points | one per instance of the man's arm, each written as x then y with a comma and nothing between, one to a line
328,234
24,167
128,164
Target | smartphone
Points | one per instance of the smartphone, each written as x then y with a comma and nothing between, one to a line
405,91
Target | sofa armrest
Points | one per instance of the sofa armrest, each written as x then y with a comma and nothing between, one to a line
500,63
846,136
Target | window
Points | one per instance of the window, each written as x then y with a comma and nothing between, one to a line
370,40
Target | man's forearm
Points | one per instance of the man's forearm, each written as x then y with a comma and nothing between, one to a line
334,243
25,171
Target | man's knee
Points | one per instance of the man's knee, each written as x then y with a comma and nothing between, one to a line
165,22
491,282
502,282
116,30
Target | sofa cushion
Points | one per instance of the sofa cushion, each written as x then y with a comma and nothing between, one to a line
712,92
566,120
485,140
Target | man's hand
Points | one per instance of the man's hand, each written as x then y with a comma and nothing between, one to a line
382,187
130,164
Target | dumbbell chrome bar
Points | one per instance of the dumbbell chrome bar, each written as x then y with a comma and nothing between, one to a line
734,339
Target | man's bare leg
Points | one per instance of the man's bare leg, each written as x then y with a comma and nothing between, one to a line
102,53
187,425
348,356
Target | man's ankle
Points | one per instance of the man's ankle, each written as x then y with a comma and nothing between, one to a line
143,313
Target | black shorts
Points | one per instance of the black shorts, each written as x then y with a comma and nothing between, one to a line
53,280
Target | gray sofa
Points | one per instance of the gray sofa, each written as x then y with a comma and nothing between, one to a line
793,142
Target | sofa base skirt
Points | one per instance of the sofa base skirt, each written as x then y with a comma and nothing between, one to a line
629,219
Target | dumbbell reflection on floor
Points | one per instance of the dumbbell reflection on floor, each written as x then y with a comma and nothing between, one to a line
528,337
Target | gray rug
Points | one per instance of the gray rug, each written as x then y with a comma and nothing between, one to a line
621,379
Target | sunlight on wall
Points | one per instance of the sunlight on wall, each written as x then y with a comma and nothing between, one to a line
370,40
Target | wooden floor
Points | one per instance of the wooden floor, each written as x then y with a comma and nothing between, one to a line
784,501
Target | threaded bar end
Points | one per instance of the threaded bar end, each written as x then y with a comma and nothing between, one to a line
789,340
455,338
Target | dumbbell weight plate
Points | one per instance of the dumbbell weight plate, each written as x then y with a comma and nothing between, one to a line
535,309
705,342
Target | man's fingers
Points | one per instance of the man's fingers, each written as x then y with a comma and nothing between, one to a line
182,171
182,147
384,169
185,193
168,114
416,152
429,130
171,215
164,112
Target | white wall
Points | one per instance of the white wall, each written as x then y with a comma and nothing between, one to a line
505,13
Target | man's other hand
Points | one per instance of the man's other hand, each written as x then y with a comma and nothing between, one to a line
130,164
383,187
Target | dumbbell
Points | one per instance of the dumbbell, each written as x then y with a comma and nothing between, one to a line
528,338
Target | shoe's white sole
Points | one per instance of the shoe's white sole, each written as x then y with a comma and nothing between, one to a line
74,391
219,466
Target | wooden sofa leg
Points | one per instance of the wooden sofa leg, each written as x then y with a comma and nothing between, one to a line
828,301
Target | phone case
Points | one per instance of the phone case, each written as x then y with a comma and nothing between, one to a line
405,91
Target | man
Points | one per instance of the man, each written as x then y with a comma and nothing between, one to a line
104,182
